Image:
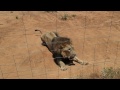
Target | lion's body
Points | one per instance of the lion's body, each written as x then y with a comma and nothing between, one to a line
61,48
47,39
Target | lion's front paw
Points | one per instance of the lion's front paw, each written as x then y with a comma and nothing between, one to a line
63,68
84,63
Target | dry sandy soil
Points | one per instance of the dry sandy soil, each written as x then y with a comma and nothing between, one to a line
95,36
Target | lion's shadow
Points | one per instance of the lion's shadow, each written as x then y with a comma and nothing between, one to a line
66,61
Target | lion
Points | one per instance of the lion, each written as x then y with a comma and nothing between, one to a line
61,48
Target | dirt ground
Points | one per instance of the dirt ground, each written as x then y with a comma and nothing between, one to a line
95,36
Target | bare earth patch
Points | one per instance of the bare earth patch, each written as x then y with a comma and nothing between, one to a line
95,36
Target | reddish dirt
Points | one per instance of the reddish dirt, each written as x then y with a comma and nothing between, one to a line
95,36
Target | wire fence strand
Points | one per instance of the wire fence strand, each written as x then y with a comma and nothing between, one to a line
109,36
80,70
27,44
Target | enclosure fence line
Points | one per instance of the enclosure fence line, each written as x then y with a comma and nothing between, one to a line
94,58
1,72
15,66
57,32
44,64
27,43
84,41
109,35
116,54
81,72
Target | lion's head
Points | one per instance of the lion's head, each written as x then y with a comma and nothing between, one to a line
63,46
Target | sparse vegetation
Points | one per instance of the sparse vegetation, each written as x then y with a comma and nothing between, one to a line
16,17
111,73
66,16
73,15
107,73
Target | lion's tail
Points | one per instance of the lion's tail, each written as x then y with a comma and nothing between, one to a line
39,31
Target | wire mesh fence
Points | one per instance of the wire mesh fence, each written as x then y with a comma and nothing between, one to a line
23,56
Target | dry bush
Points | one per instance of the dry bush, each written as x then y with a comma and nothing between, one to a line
66,16
106,73
110,73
